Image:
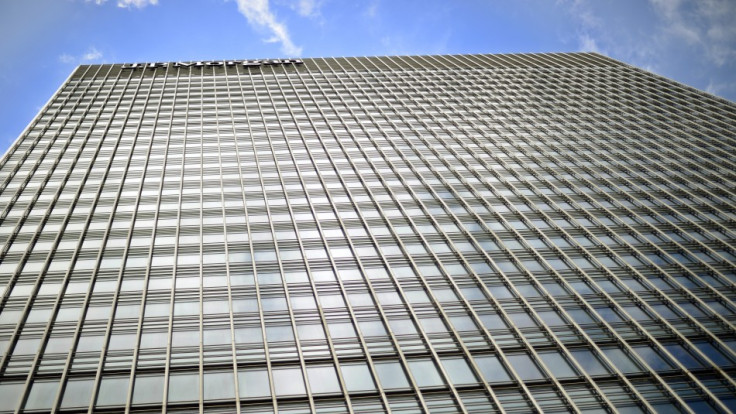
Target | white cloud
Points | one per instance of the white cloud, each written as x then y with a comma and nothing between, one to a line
92,54
136,3
587,43
705,24
307,8
129,3
66,58
259,14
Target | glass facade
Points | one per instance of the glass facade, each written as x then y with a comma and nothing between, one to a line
444,234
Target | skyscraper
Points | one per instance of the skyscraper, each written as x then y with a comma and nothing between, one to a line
473,233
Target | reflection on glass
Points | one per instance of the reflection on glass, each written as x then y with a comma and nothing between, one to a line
357,377
148,389
42,395
391,375
589,362
288,381
525,367
491,368
557,365
253,383
109,393
425,373
323,379
184,387
458,371
621,360
218,385
9,395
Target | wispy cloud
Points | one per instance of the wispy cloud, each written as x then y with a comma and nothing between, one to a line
307,8
259,14
707,24
129,3
66,58
91,55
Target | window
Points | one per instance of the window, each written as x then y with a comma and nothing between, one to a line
357,377
425,373
322,379
391,375
253,383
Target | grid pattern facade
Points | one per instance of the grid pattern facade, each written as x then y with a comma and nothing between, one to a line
474,233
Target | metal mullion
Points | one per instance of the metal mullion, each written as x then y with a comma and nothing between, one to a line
18,165
674,117
397,346
684,92
85,304
5,157
113,309
611,301
454,333
301,246
653,211
224,220
302,360
642,117
658,249
488,335
15,275
716,292
530,349
329,256
5,296
379,308
146,277
172,297
269,368
41,276
201,238
371,289
528,306
425,285
706,202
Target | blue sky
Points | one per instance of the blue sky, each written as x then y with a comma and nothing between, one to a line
693,42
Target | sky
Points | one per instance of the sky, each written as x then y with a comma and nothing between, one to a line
693,42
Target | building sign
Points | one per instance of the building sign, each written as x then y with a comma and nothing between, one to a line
221,63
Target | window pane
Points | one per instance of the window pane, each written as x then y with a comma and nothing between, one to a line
184,387
109,393
491,368
425,373
621,360
148,389
76,393
589,362
218,385
42,395
357,377
557,365
254,383
9,394
458,371
652,358
391,375
323,379
525,367
288,381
